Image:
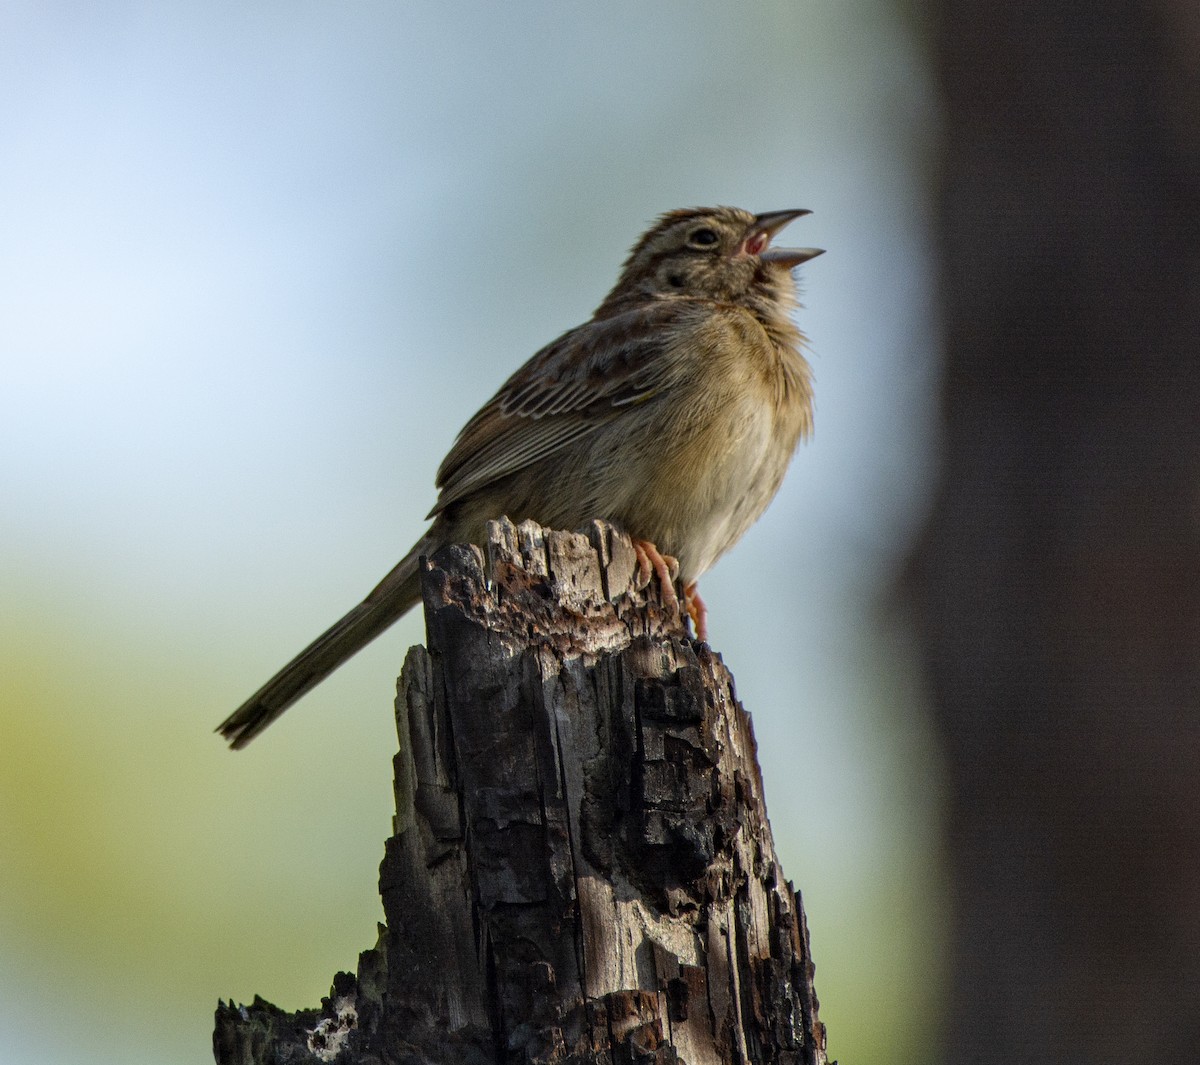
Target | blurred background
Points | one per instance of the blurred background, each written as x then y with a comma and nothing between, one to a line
258,263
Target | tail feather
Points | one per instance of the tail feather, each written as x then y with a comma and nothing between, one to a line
392,598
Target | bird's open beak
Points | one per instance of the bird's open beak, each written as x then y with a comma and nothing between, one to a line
765,226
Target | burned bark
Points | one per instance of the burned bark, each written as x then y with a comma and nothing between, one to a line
582,868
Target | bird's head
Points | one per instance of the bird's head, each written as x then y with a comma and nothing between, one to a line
716,253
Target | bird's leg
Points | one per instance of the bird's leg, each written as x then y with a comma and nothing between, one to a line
651,560
696,610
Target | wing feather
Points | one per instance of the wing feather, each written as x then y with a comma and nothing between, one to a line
567,390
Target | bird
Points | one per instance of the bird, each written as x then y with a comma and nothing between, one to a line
673,413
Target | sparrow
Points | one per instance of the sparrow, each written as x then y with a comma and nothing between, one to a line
673,413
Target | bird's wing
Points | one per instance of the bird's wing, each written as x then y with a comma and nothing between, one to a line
567,390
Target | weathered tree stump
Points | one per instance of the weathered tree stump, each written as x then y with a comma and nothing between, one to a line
582,869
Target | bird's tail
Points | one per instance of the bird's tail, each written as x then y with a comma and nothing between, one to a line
392,597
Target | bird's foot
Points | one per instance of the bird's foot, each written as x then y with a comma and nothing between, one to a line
696,610
652,561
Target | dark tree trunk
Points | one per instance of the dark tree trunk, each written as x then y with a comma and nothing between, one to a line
1059,575
582,869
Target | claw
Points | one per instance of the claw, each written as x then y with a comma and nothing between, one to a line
651,560
645,566
696,610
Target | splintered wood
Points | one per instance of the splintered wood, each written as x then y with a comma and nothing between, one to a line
582,869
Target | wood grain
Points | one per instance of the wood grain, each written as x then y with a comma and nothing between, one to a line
582,869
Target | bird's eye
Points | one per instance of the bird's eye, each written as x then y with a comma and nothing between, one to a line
675,280
702,237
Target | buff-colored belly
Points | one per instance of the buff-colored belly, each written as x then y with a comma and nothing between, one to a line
698,488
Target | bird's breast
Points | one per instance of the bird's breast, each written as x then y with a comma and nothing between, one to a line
716,459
